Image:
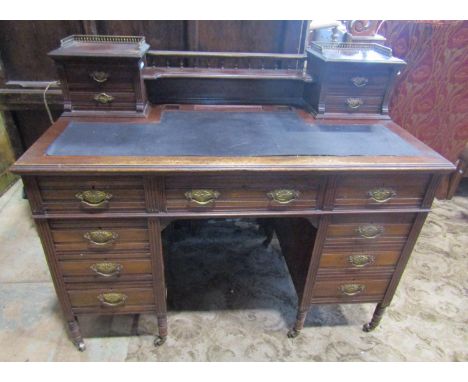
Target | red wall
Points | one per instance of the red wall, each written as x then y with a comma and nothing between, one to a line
430,98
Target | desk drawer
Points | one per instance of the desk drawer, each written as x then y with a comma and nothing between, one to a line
115,299
353,104
355,80
92,194
368,232
381,191
350,289
99,236
100,76
358,260
248,192
108,269
102,100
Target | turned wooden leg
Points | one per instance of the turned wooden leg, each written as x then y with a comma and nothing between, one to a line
456,177
75,335
299,325
376,318
162,327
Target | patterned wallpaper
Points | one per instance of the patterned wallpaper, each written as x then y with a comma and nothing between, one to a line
430,98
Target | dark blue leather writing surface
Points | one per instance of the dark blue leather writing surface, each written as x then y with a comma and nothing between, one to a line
196,133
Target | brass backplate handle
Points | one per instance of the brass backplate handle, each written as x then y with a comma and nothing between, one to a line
112,299
381,194
99,77
354,103
359,82
360,261
352,289
202,197
370,231
107,269
101,237
283,196
103,98
93,198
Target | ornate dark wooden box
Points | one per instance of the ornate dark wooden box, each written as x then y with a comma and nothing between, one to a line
102,75
351,79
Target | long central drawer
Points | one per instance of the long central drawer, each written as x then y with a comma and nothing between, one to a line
243,192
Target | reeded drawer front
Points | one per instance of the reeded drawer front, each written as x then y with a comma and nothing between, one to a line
101,100
249,192
92,194
353,104
107,269
100,76
99,235
101,300
381,191
348,80
350,289
358,260
350,233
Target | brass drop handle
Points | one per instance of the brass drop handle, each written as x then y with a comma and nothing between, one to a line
360,82
112,299
354,103
202,197
99,77
351,289
382,194
94,199
101,238
370,231
107,269
283,196
103,98
360,261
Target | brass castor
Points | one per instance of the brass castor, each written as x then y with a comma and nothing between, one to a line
80,345
368,327
159,341
293,333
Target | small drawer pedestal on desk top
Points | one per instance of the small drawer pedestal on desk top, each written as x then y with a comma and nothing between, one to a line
346,199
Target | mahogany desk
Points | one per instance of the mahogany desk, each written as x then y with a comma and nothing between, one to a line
346,192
